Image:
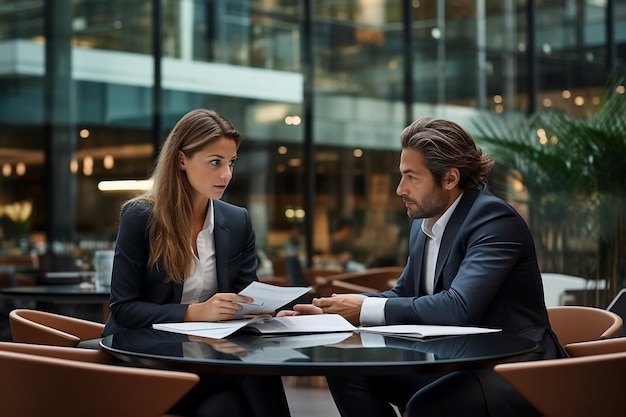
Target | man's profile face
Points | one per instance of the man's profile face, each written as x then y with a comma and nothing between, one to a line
421,195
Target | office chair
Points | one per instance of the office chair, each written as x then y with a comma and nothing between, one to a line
581,324
44,328
570,387
618,306
596,347
370,280
42,380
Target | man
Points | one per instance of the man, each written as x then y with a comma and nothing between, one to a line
472,262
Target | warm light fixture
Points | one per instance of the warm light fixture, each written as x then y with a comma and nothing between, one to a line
293,120
108,161
88,165
20,168
6,170
125,185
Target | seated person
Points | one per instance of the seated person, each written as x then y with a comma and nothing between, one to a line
182,254
472,262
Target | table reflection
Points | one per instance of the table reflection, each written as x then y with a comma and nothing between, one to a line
327,352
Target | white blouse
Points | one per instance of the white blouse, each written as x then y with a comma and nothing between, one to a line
202,283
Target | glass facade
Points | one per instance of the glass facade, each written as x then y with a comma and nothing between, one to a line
88,96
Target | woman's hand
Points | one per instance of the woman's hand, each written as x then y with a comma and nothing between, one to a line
222,306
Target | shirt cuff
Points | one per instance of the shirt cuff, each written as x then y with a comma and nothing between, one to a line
373,311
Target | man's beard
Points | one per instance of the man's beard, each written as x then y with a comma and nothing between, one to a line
430,206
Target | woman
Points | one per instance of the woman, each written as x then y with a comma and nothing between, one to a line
183,255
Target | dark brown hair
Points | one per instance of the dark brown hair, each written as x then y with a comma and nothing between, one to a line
171,227
447,145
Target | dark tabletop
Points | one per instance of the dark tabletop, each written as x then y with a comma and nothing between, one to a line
315,354
55,290
75,293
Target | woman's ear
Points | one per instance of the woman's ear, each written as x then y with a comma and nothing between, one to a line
181,160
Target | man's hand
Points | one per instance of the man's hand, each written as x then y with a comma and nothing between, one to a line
300,309
346,305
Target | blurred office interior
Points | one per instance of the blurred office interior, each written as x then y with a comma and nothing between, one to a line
320,89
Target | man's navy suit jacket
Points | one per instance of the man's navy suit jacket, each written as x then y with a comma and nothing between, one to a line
141,296
486,275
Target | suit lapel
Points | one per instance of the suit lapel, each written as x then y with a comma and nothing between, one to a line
452,230
417,258
221,238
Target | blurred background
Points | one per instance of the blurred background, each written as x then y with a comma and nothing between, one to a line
321,91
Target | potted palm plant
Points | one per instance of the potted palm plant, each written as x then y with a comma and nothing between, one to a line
573,169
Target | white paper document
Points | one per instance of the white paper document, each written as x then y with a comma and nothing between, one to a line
309,324
323,323
214,330
426,330
316,323
268,297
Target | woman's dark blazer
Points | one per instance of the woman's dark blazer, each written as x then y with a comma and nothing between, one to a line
142,296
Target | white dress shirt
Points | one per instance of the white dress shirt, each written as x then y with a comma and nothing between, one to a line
373,308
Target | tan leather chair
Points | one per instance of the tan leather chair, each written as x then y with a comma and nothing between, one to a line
570,387
596,347
581,324
40,327
369,280
275,280
42,380
312,274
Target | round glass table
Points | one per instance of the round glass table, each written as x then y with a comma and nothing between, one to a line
315,354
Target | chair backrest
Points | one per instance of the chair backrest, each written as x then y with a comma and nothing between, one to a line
34,385
369,280
311,275
597,347
571,387
33,326
60,352
618,306
275,280
581,324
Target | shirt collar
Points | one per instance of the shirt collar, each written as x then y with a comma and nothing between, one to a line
209,220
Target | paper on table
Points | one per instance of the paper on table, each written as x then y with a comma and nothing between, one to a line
316,323
215,330
323,323
426,330
268,297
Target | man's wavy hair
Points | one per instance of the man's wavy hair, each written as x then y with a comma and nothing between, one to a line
447,145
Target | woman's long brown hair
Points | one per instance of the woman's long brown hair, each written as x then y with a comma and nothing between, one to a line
170,227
